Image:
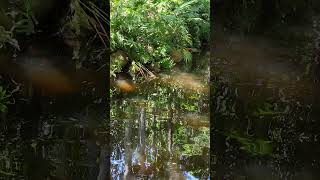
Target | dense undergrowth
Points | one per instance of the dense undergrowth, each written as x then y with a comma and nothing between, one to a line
79,23
156,34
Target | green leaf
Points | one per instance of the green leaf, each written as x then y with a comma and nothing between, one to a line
3,108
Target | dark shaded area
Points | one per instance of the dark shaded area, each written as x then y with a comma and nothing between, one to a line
55,124
264,90
59,126
260,16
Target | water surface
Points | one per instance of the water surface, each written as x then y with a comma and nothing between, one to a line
162,130
265,108
56,126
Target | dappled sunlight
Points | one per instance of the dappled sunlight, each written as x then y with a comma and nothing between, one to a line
160,127
185,81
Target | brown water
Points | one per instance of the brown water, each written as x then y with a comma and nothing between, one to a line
265,110
57,127
161,131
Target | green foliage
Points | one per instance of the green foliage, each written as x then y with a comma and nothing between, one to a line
266,109
187,56
23,18
26,22
4,99
79,18
23,22
189,107
196,14
86,16
251,145
118,61
198,144
150,31
6,37
166,63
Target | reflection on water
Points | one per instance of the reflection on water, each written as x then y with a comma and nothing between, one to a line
162,131
64,148
57,128
266,111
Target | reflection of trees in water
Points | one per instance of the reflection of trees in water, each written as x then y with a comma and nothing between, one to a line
128,149
265,133
142,140
158,134
59,146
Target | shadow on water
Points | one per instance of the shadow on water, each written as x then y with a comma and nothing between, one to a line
161,131
266,111
57,127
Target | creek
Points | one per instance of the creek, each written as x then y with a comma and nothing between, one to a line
265,109
161,131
